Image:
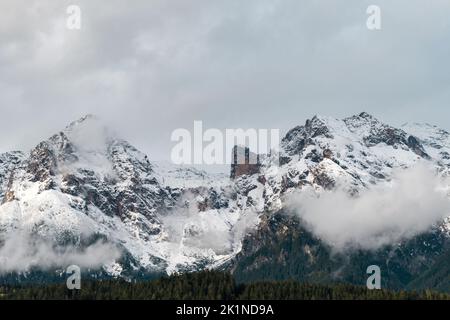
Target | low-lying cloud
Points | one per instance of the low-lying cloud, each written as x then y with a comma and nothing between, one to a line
23,253
210,229
413,201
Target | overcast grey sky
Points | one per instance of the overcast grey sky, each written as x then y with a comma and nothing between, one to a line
152,66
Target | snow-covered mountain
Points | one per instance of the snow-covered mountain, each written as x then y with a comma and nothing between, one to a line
354,153
84,184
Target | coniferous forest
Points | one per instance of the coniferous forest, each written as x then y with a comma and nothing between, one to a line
208,285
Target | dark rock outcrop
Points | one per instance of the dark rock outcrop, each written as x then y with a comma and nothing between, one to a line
244,162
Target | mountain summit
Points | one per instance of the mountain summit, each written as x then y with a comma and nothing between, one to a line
84,184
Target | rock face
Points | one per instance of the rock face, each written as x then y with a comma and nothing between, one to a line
111,174
244,162
374,132
355,154
84,182
8,162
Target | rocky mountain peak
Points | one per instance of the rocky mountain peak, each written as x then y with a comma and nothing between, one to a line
318,125
365,115
244,162
83,120
363,123
86,180
87,160
299,137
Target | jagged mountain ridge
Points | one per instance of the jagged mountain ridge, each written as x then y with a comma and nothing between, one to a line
83,180
8,162
354,153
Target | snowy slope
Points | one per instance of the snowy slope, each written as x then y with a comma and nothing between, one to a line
85,183
436,141
352,153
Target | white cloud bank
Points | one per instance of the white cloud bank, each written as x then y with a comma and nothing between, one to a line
410,204
21,253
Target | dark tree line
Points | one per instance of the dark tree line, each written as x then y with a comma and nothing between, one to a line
208,285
